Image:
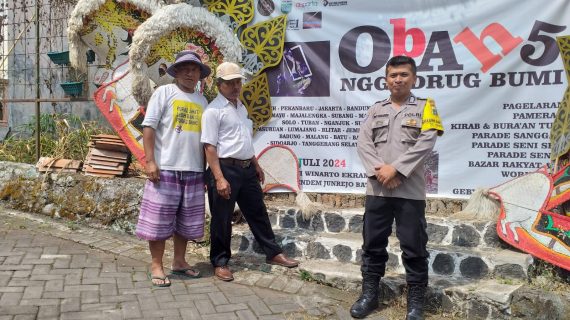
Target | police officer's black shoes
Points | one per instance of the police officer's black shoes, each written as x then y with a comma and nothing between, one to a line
368,300
416,298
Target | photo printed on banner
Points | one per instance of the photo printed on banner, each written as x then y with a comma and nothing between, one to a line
304,71
312,20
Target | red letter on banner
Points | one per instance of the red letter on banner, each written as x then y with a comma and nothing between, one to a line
400,35
478,48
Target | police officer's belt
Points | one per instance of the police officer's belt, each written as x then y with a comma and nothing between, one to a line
236,162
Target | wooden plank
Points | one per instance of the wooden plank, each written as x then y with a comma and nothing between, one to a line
58,170
106,139
111,146
102,158
105,136
59,163
103,141
103,167
101,162
109,153
93,170
96,142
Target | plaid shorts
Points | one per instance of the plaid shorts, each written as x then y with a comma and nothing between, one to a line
173,205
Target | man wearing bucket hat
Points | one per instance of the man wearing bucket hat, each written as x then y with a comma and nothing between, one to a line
234,174
173,200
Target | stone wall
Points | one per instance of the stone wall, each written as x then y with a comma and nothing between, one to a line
107,202
115,202
434,206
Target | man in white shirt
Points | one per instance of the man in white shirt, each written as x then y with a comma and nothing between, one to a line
234,174
173,201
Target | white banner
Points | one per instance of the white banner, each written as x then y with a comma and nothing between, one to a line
492,67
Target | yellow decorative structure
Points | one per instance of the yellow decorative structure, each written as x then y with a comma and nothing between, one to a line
96,24
264,43
560,132
255,96
235,13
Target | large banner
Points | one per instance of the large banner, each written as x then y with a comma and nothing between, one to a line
492,67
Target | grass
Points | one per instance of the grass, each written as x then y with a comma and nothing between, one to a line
545,276
72,225
307,276
507,281
61,136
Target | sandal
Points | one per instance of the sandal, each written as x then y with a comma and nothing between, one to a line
184,273
165,281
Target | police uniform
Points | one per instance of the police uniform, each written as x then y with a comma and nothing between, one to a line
402,137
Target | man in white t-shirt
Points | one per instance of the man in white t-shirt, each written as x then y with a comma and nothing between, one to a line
234,174
173,200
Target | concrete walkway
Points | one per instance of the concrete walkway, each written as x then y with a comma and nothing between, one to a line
58,270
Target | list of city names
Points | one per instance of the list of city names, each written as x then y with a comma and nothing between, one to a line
321,127
514,147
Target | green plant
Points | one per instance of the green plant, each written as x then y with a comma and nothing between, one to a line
72,225
546,276
76,75
507,281
62,135
306,276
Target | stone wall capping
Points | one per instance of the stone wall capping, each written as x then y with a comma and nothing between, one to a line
465,298
445,260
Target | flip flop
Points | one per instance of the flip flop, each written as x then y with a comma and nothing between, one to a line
182,273
159,285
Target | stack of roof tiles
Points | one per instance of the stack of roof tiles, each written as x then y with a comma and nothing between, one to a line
108,156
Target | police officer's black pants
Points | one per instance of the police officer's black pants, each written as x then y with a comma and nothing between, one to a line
246,191
379,216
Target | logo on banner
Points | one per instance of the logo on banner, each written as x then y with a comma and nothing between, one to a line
286,6
327,3
307,5
293,24
312,20
265,7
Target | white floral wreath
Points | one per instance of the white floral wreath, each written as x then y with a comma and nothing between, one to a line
83,8
165,20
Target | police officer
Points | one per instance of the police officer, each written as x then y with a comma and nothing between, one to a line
394,141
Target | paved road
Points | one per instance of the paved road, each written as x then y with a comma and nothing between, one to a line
59,270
